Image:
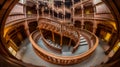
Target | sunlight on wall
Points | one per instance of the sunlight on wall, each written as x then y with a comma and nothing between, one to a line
29,12
6,30
12,50
87,12
114,25
116,47
108,35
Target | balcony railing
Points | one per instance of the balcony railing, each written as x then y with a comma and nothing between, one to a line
14,17
31,15
89,15
85,15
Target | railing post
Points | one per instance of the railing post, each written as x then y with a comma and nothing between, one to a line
53,37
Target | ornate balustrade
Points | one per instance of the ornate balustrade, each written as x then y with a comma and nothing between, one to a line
14,17
89,15
107,16
19,19
66,20
85,15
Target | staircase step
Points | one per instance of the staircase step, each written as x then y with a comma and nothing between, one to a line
82,40
84,43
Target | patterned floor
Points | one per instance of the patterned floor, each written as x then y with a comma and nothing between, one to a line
26,54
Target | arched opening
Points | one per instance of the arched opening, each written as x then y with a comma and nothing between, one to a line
78,11
88,26
77,24
15,38
105,31
32,26
88,8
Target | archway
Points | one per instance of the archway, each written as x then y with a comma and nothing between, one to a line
88,26
32,26
77,24
15,38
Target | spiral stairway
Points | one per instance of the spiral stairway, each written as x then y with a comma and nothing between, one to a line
62,44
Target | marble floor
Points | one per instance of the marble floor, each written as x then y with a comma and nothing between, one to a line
27,54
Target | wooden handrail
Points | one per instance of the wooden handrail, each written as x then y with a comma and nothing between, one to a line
68,59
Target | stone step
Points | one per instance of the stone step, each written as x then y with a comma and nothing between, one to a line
84,43
82,40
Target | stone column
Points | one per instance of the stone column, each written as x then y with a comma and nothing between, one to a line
37,8
53,9
64,10
49,8
27,28
73,9
42,11
82,24
82,8
95,23
94,28
69,42
82,21
26,23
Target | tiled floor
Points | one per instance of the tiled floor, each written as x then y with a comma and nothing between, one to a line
26,54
